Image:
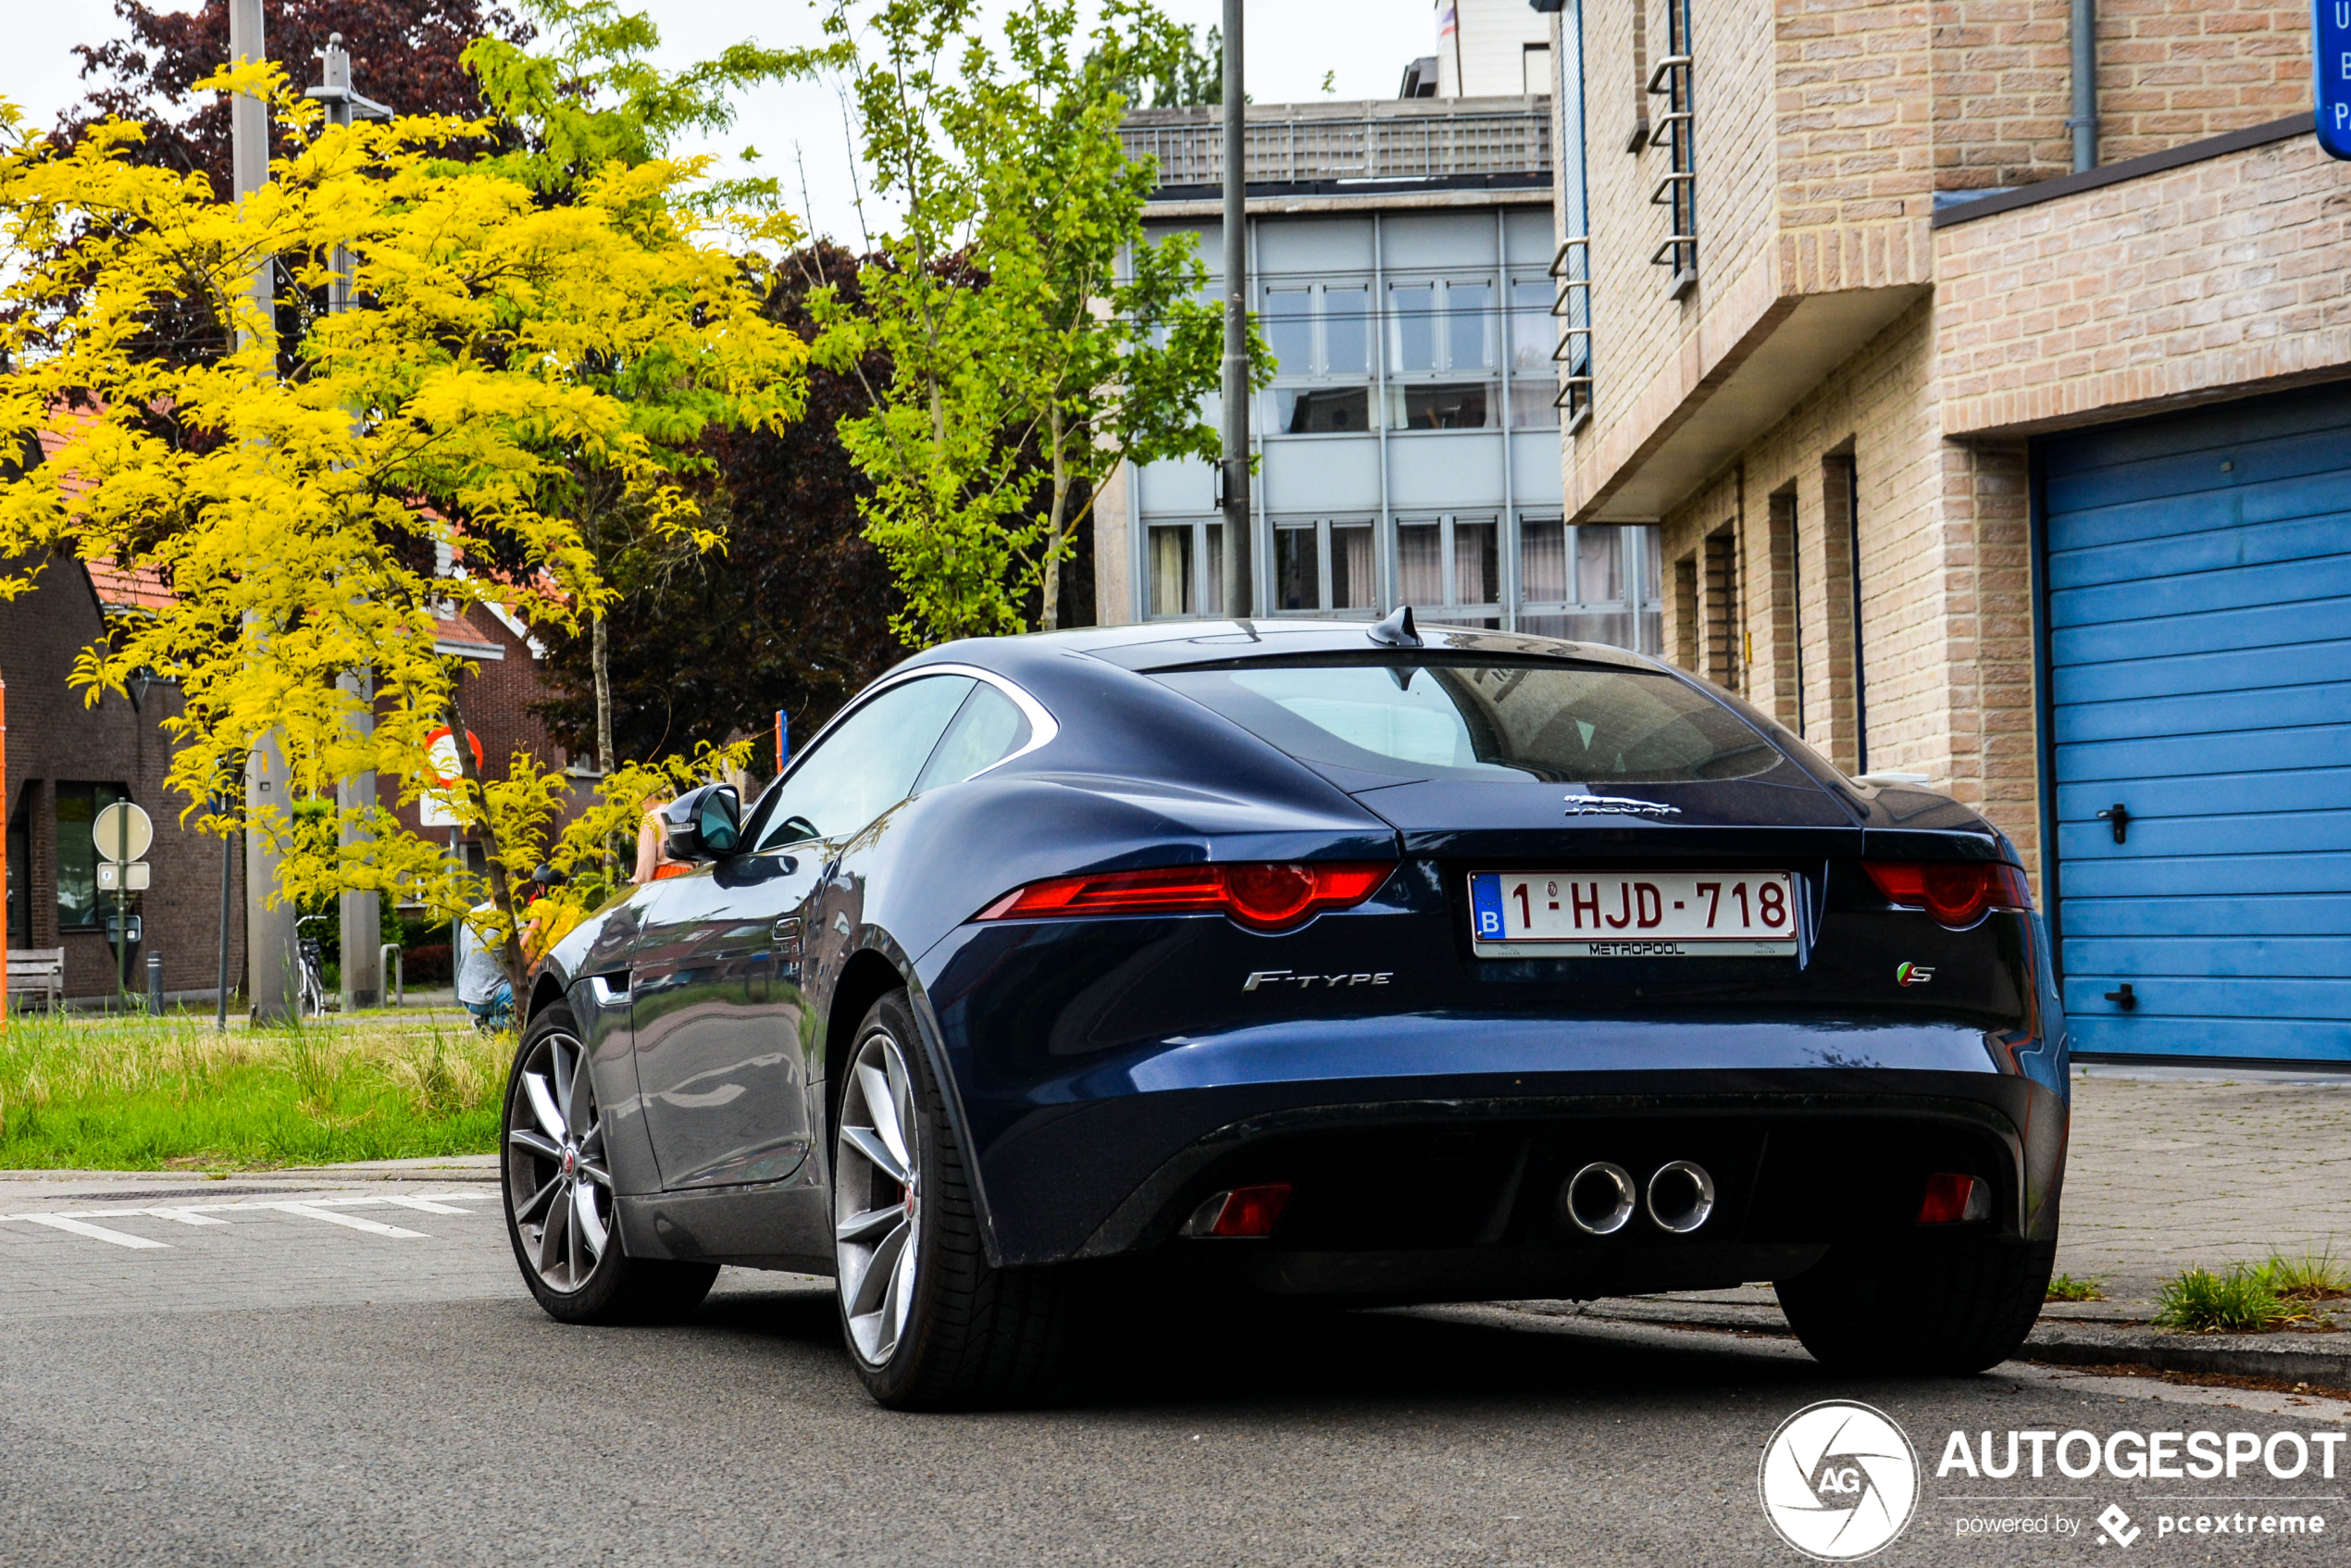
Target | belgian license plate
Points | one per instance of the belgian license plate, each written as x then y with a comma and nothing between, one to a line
1632,913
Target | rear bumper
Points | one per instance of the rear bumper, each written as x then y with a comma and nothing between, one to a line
1426,1152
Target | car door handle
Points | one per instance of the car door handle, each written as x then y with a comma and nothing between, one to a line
787,932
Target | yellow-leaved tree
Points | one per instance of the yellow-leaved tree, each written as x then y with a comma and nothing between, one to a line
316,501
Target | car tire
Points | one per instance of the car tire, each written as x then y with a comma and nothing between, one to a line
1949,1307
558,1192
929,1324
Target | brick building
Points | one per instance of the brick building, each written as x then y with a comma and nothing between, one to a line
68,758
1971,463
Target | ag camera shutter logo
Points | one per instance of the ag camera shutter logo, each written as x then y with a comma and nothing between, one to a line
1839,1481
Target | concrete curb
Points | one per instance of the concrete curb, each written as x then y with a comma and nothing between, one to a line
2320,1359
2292,1357
442,1167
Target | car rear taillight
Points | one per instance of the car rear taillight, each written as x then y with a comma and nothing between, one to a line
1262,895
1241,1212
1952,1198
1958,893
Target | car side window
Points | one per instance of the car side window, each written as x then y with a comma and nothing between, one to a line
987,729
867,765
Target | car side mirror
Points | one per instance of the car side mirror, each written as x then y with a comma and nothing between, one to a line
703,824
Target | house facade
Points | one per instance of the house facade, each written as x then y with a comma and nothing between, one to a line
1968,463
66,760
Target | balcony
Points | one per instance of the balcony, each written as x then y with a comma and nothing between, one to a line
1481,141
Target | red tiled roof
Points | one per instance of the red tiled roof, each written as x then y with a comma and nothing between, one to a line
139,589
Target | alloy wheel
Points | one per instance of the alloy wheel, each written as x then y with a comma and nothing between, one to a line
558,1183
876,1198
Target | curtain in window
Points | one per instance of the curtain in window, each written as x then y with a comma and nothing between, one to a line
1420,564
1352,569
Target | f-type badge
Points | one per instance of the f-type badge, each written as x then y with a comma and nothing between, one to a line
1617,806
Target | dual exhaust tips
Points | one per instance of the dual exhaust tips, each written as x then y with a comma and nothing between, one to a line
1599,1199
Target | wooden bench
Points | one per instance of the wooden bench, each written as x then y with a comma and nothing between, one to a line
39,971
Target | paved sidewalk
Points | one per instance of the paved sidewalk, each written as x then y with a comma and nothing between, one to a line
2168,1171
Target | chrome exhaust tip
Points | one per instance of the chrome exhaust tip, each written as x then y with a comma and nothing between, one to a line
1680,1196
1598,1199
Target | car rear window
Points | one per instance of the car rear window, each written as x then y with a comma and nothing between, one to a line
1440,719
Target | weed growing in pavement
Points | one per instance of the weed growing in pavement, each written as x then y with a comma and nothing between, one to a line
2065,1287
2313,1276
141,1093
2240,1301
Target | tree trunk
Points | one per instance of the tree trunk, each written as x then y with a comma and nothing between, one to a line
598,660
502,892
1049,618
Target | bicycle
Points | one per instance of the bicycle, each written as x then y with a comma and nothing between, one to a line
313,977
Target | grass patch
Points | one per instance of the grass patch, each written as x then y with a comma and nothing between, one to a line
2243,1300
2313,1276
139,1093
2065,1287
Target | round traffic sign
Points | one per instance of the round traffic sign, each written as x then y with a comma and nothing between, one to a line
122,832
441,757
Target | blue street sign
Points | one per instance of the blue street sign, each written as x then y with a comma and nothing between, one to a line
2331,34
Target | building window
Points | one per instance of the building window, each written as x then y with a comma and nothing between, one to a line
1677,191
1323,565
1442,332
1597,583
77,808
1320,333
1534,399
1187,569
1450,568
20,868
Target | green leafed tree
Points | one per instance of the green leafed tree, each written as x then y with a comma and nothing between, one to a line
1037,337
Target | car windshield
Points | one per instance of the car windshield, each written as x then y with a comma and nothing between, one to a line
1439,718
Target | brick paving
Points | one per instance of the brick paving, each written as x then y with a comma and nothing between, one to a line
2170,1170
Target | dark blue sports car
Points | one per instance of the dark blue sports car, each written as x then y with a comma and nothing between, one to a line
1310,959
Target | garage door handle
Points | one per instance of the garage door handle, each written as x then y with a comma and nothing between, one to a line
2120,815
2123,998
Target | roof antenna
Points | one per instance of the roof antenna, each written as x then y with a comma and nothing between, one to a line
1397,630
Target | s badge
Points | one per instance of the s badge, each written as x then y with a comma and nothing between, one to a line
1913,975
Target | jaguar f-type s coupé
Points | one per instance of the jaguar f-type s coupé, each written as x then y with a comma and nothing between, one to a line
1355,962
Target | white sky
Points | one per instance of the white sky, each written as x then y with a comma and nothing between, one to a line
1289,45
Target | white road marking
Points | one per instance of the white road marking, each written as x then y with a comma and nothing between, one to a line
95,1232
425,1205
373,1228
78,1223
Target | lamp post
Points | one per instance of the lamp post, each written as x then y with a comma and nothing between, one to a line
1239,555
362,953
272,965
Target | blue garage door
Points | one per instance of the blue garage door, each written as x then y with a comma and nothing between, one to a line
2199,617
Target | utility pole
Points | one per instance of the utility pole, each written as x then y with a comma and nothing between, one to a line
272,965
362,930
1237,594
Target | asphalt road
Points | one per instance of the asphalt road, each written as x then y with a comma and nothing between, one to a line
279,1387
